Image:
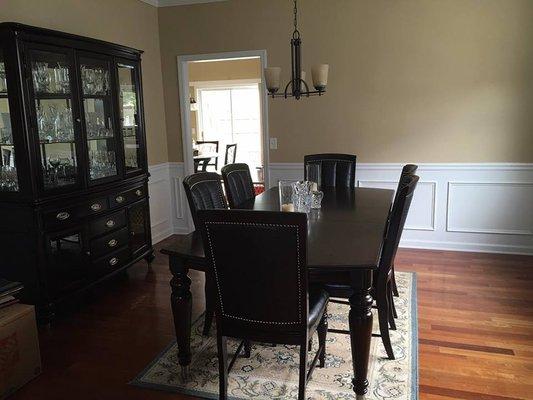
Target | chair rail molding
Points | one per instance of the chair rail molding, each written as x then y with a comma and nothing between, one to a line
462,207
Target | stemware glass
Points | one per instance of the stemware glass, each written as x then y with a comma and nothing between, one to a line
41,77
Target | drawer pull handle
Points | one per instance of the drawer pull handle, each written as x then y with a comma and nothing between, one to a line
112,243
113,261
96,207
138,192
110,223
119,199
63,216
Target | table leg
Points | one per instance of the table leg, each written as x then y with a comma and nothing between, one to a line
361,328
181,301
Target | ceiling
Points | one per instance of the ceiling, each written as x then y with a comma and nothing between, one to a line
168,3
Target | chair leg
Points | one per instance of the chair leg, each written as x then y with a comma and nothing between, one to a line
383,314
310,344
247,348
394,286
390,302
322,332
302,383
209,306
222,367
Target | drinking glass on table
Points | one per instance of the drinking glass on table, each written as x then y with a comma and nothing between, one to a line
286,195
313,173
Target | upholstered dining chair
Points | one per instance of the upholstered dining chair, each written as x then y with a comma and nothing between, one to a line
263,299
408,169
336,169
382,282
238,184
204,192
231,153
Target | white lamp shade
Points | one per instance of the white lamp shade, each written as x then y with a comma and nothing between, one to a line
320,76
272,75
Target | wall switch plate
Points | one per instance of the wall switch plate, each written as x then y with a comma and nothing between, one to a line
273,143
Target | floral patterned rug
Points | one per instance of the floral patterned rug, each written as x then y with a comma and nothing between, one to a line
272,372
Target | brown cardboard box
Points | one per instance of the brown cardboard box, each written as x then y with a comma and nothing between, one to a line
20,360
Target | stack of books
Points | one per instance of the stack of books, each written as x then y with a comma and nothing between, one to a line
8,292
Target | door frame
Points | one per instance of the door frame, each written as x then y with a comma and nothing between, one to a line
183,81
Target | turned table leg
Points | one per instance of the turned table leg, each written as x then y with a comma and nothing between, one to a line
181,301
361,328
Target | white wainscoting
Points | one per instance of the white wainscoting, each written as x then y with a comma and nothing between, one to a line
169,212
464,207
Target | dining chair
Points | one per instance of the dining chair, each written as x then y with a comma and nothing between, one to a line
382,280
212,147
336,169
263,299
204,192
408,169
231,154
238,184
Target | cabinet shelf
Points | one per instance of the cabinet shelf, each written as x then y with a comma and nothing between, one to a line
53,96
96,96
57,141
6,144
100,138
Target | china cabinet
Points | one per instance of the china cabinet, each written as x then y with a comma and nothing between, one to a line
73,172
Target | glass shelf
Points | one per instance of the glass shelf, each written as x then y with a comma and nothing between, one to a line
57,142
100,138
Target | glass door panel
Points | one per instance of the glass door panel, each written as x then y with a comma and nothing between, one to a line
55,121
8,169
129,115
98,111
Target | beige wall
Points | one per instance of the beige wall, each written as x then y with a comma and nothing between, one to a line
225,70
128,22
418,80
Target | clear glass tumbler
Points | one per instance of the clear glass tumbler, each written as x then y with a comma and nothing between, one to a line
313,172
286,195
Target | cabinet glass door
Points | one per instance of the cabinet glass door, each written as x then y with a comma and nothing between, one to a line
98,113
8,170
52,88
128,99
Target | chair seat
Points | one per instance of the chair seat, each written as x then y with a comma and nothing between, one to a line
318,300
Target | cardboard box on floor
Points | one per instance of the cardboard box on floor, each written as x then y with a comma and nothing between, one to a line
20,360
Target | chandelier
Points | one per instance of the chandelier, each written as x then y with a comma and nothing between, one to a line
298,85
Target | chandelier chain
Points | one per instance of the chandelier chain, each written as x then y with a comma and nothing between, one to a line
296,33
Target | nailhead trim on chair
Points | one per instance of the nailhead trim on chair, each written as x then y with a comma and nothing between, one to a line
216,272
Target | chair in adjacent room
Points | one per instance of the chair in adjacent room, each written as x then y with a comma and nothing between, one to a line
263,299
209,146
337,170
231,154
204,192
238,184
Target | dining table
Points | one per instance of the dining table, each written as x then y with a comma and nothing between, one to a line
344,242
201,161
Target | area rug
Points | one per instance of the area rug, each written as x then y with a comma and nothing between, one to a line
272,371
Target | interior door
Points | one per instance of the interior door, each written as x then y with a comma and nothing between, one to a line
98,120
55,115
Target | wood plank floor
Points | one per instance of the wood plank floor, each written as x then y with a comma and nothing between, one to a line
475,331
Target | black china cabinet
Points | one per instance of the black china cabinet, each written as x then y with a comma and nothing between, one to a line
73,171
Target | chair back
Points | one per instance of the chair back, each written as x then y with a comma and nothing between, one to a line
231,154
335,169
259,293
209,146
408,169
400,209
238,183
204,192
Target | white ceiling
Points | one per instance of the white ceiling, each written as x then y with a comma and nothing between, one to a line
168,3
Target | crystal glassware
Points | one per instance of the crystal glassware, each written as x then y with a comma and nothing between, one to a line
286,195
302,196
316,199
313,173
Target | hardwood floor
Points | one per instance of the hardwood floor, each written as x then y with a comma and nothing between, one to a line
475,331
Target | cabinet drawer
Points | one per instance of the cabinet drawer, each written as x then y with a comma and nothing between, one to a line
62,216
111,261
127,197
109,242
96,206
108,223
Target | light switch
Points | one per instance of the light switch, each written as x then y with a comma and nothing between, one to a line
273,143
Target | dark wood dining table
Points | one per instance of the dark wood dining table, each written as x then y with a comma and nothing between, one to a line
202,160
345,237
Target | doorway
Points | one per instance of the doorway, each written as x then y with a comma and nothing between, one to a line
224,112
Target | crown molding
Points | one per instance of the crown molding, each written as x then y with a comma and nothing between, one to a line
170,3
